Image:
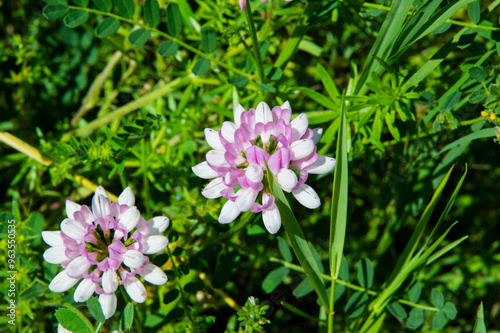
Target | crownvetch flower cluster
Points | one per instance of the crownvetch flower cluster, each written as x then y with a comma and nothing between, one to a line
237,162
106,247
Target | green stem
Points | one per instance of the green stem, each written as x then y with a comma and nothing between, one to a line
165,35
255,42
331,327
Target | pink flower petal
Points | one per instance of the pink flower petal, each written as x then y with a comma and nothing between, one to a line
71,208
301,149
77,267
214,188
73,229
237,114
245,198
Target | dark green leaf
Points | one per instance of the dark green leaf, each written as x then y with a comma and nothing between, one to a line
437,298
450,311
201,67
479,326
167,48
304,288
55,11
171,296
265,87
71,321
474,11
34,291
96,309
76,18
344,270
365,273
174,19
415,319
477,97
442,28
125,7
439,320
397,310
139,37
81,3
128,316
284,248
274,278
356,304
273,73
208,40
452,101
108,27
104,5
194,286
477,73
238,81
415,292
152,12
466,39
484,133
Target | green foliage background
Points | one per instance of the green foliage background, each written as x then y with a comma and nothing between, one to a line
61,85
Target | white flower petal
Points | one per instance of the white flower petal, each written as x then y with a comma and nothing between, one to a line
263,113
133,259
254,173
306,195
62,282
272,219
323,165
77,267
237,114
301,149
109,281
71,208
61,329
154,275
229,212
203,170
287,179
157,225
227,130
130,218
155,244
127,197
216,158
84,290
246,198
317,134
100,203
135,290
55,255
213,189
213,139
73,229
299,126
52,238
286,105
108,305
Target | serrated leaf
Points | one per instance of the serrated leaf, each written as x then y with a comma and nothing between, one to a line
81,3
437,298
201,67
171,296
439,320
104,5
238,81
208,40
125,7
365,273
139,37
450,311
76,18
477,73
415,292
477,97
274,278
474,11
415,319
108,27
55,11
304,288
71,321
96,309
128,316
174,19
284,248
152,12
168,48
397,310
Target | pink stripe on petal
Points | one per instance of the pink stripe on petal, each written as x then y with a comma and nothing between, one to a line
245,198
71,208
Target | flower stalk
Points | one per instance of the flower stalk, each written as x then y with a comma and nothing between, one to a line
255,42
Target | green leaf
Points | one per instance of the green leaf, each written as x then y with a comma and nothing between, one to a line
152,12
297,311
76,18
168,48
194,286
477,73
265,87
139,37
321,99
128,316
96,309
104,5
171,296
450,311
415,292
328,83
397,310
81,3
274,278
238,81
338,214
208,40
71,321
445,250
201,67
442,28
479,326
474,11
35,291
304,288
108,27
437,298
174,19
273,73
55,11
356,304
439,320
484,133
284,249
415,319
477,97
365,273
125,7
452,101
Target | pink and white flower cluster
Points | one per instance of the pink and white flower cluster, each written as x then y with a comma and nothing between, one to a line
106,247
237,162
